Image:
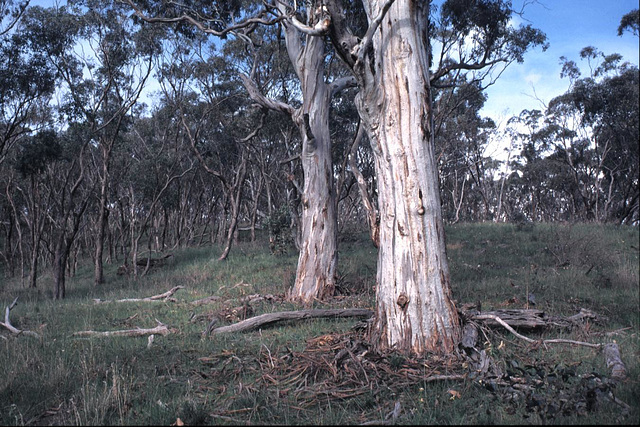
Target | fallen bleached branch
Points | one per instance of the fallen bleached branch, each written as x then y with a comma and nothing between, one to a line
268,318
7,324
161,297
161,329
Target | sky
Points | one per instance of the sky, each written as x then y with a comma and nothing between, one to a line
569,25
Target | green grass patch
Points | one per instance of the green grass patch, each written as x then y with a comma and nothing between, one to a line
253,377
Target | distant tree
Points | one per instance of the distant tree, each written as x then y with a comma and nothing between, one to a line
119,64
630,22
606,108
304,31
26,78
461,140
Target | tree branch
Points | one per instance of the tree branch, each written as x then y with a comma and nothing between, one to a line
160,297
232,29
364,45
258,97
161,329
269,318
7,324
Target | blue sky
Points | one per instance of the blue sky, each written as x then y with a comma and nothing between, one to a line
569,25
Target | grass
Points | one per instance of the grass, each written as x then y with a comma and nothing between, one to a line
61,379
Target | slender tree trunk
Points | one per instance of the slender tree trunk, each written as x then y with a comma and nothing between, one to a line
98,277
59,262
414,311
103,212
317,262
315,277
235,197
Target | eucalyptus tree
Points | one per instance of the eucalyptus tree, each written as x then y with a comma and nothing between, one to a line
33,157
389,63
158,158
584,145
461,140
27,81
26,78
608,103
118,64
216,122
305,46
54,32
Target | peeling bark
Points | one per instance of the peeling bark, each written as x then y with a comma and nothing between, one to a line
415,312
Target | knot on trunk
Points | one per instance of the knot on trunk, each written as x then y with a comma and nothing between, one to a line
403,301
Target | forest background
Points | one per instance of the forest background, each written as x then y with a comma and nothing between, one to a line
90,174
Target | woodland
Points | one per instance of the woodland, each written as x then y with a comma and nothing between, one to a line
288,118
132,131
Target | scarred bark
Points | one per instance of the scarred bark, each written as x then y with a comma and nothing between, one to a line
415,311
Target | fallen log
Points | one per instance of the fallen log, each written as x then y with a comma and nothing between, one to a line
161,297
270,318
498,320
524,318
153,262
161,329
528,318
207,300
614,362
7,323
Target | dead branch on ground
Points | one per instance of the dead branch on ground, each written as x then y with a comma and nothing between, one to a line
167,296
7,323
161,329
270,318
611,351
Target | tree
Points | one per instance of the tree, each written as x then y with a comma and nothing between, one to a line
25,78
630,22
305,45
390,65
593,129
122,60
415,311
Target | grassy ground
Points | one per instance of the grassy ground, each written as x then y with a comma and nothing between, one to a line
277,375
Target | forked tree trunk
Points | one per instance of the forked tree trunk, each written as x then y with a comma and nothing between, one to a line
414,309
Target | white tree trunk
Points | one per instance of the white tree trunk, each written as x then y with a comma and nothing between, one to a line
414,309
315,277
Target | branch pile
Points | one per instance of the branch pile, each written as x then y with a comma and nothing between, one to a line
332,368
